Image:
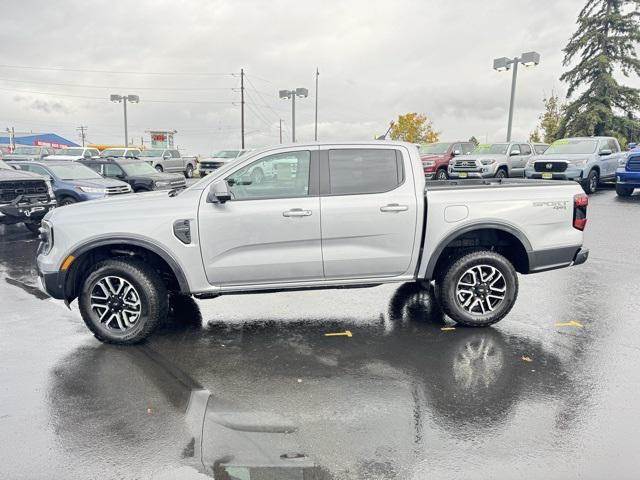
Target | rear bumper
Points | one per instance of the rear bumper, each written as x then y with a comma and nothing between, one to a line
550,259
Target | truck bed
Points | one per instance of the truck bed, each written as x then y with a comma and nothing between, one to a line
490,183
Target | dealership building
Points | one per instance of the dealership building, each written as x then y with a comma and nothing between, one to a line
36,140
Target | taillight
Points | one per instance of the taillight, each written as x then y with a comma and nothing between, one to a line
580,203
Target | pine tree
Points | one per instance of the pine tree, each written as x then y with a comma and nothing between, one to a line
604,44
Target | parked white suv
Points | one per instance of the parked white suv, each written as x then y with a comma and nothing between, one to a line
332,215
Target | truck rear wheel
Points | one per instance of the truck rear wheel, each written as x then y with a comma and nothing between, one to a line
478,289
122,302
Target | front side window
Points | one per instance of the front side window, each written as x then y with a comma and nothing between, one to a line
467,148
283,175
361,171
175,153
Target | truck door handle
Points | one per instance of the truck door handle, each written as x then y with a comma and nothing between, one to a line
296,212
394,207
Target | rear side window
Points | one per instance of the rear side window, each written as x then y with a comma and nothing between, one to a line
361,171
525,149
175,154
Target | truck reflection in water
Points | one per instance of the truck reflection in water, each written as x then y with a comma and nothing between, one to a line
268,400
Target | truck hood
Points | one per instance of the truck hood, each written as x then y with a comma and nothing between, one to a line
433,157
11,175
159,177
118,204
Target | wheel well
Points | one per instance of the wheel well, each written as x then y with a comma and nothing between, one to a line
596,168
503,167
500,241
84,263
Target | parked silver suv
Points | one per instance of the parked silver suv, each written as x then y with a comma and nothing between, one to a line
498,160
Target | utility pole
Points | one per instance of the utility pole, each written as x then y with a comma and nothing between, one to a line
124,99
281,131
316,125
12,138
242,106
82,129
126,133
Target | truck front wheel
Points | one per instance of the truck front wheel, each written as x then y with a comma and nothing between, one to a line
590,184
478,289
188,173
122,302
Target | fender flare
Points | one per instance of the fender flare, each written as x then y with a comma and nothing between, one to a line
493,225
135,241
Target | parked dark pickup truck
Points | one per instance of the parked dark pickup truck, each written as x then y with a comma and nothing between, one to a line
24,197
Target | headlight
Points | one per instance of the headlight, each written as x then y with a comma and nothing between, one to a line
50,189
580,162
488,162
46,237
622,162
162,184
428,163
91,189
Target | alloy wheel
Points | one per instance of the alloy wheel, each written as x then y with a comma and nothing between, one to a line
116,302
481,289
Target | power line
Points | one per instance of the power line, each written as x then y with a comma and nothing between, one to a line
120,72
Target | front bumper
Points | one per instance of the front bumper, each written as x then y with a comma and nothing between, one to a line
628,179
24,211
52,284
571,173
471,174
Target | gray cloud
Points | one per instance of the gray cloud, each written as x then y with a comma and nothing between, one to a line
377,59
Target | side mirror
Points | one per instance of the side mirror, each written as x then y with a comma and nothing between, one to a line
456,153
606,151
219,192
514,152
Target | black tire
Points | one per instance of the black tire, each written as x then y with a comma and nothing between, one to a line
502,173
188,173
624,191
590,184
441,174
456,271
64,201
33,227
152,295
159,168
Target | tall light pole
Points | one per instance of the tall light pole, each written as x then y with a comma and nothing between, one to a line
124,99
502,64
292,94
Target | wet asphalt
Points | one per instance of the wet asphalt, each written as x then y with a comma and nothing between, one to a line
249,387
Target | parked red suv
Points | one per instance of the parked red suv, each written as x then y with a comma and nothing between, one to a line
435,157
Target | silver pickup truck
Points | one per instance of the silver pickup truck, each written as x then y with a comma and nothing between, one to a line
332,215
169,160
499,160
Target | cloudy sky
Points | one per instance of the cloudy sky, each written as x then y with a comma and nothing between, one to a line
377,59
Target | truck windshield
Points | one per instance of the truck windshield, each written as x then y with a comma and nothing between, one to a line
491,148
151,153
434,148
27,151
74,171
112,152
226,154
71,151
138,168
572,145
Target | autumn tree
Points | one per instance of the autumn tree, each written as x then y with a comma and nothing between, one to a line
414,128
604,42
549,128
474,140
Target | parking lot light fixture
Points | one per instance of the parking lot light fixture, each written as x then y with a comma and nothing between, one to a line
503,64
292,94
124,99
